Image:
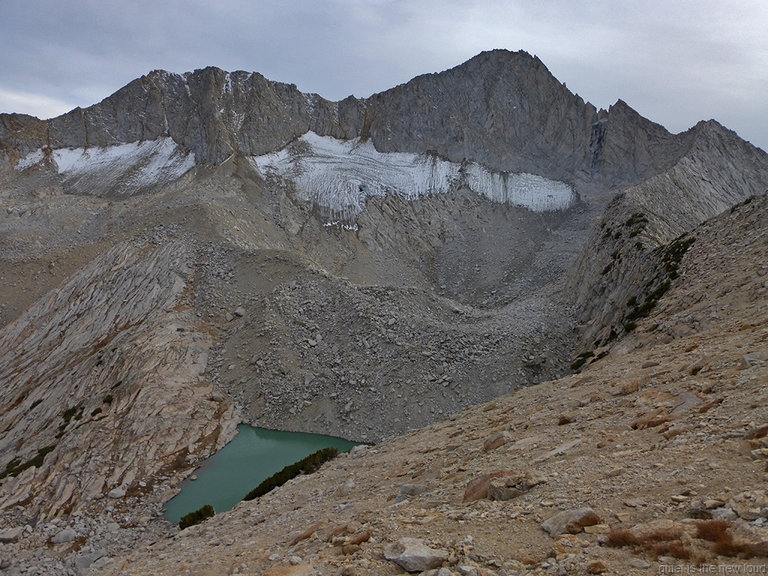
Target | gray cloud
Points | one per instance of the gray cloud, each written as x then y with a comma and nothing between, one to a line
675,62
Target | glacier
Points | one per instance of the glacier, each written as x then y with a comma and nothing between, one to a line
125,168
340,175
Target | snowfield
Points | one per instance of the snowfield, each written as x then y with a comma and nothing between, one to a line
125,168
340,175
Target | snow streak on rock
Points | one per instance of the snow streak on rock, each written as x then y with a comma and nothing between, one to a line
125,169
340,175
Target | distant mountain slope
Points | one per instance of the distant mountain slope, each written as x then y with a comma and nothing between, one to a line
623,261
501,109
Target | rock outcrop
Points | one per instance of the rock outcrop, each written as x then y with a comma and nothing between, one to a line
103,392
631,255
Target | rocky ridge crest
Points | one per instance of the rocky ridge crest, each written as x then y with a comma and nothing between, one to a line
627,259
502,109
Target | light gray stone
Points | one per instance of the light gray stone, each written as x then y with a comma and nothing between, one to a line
751,359
413,555
10,535
570,521
66,535
409,490
84,562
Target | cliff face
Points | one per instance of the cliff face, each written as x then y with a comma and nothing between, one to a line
501,109
209,112
101,379
504,110
629,252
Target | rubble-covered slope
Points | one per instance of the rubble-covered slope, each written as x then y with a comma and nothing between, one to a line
639,451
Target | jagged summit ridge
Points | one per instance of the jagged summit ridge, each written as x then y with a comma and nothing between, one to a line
501,109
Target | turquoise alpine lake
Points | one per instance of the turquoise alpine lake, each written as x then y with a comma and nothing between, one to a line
250,458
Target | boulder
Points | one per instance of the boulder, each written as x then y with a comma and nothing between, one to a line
501,485
66,535
508,487
413,555
10,535
751,359
409,490
570,521
477,489
116,493
494,441
84,562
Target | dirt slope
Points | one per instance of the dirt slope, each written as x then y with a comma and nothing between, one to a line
658,437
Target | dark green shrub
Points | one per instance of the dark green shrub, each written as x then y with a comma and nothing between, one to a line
68,414
305,466
197,516
75,412
581,359
673,254
630,325
649,303
636,218
15,466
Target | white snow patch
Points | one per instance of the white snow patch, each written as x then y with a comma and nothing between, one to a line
67,158
134,165
340,175
309,99
30,159
529,190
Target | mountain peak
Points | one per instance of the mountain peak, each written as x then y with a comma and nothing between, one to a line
501,108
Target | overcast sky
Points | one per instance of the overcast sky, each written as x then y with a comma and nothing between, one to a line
674,61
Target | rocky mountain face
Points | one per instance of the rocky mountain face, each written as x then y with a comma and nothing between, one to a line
211,248
641,235
502,109
104,374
